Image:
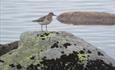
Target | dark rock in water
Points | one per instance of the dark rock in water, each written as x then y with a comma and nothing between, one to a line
58,51
4,48
87,18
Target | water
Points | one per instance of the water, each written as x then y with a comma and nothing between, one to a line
16,17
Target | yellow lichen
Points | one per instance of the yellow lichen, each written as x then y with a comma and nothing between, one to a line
45,36
82,57
5,66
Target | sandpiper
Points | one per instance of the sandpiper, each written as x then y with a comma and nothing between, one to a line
45,20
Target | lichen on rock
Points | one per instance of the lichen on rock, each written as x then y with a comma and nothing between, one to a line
55,51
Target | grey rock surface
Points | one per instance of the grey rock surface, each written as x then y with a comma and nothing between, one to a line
87,18
55,51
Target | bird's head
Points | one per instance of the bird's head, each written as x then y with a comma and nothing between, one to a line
51,13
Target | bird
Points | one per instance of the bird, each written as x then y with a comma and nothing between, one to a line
45,20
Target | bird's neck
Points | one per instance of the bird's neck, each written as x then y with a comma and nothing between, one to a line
49,16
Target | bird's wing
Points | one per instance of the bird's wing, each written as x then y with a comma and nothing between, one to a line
39,19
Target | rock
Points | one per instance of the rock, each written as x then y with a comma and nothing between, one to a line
55,51
87,18
4,48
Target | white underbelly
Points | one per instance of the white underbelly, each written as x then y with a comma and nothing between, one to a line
45,22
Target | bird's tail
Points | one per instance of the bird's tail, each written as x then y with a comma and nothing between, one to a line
34,20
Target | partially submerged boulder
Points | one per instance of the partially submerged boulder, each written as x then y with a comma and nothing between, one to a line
87,18
4,48
55,51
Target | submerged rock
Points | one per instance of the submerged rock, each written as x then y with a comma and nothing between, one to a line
55,51
87,18
4,48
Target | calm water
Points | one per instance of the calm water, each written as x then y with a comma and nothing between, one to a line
16,17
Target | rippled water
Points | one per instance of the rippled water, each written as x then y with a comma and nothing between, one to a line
16,17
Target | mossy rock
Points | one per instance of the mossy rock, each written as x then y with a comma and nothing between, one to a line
55,51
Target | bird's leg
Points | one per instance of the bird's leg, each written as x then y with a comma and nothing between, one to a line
41,27
46,28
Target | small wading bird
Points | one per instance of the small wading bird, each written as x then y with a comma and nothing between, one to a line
45,20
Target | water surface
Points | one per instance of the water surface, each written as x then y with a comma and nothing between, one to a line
16,17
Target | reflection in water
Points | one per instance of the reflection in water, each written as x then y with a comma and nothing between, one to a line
16,17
